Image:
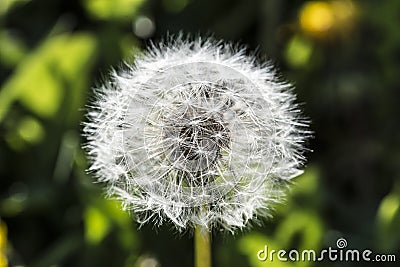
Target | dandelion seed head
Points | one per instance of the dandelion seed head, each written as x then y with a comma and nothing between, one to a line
196,133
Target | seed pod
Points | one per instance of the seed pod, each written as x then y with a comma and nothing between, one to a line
197,133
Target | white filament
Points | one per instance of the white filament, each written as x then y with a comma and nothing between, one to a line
197,133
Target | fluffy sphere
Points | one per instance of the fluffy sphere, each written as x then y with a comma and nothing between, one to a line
196,133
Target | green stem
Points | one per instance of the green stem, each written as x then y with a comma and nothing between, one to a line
202,246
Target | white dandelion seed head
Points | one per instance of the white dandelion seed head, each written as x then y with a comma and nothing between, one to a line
197,133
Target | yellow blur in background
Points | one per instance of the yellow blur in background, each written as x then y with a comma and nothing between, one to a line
321,18
3,244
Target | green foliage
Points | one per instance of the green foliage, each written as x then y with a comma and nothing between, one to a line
299,227
61,63
110,10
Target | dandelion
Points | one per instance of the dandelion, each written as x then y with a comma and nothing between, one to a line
197,133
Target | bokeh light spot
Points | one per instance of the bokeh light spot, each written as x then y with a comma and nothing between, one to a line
143,27
31,130
97,225
147,261
316,17
319,18
298,52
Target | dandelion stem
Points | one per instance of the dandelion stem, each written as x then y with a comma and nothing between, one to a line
202,246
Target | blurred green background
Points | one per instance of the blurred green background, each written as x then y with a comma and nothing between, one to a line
343,56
